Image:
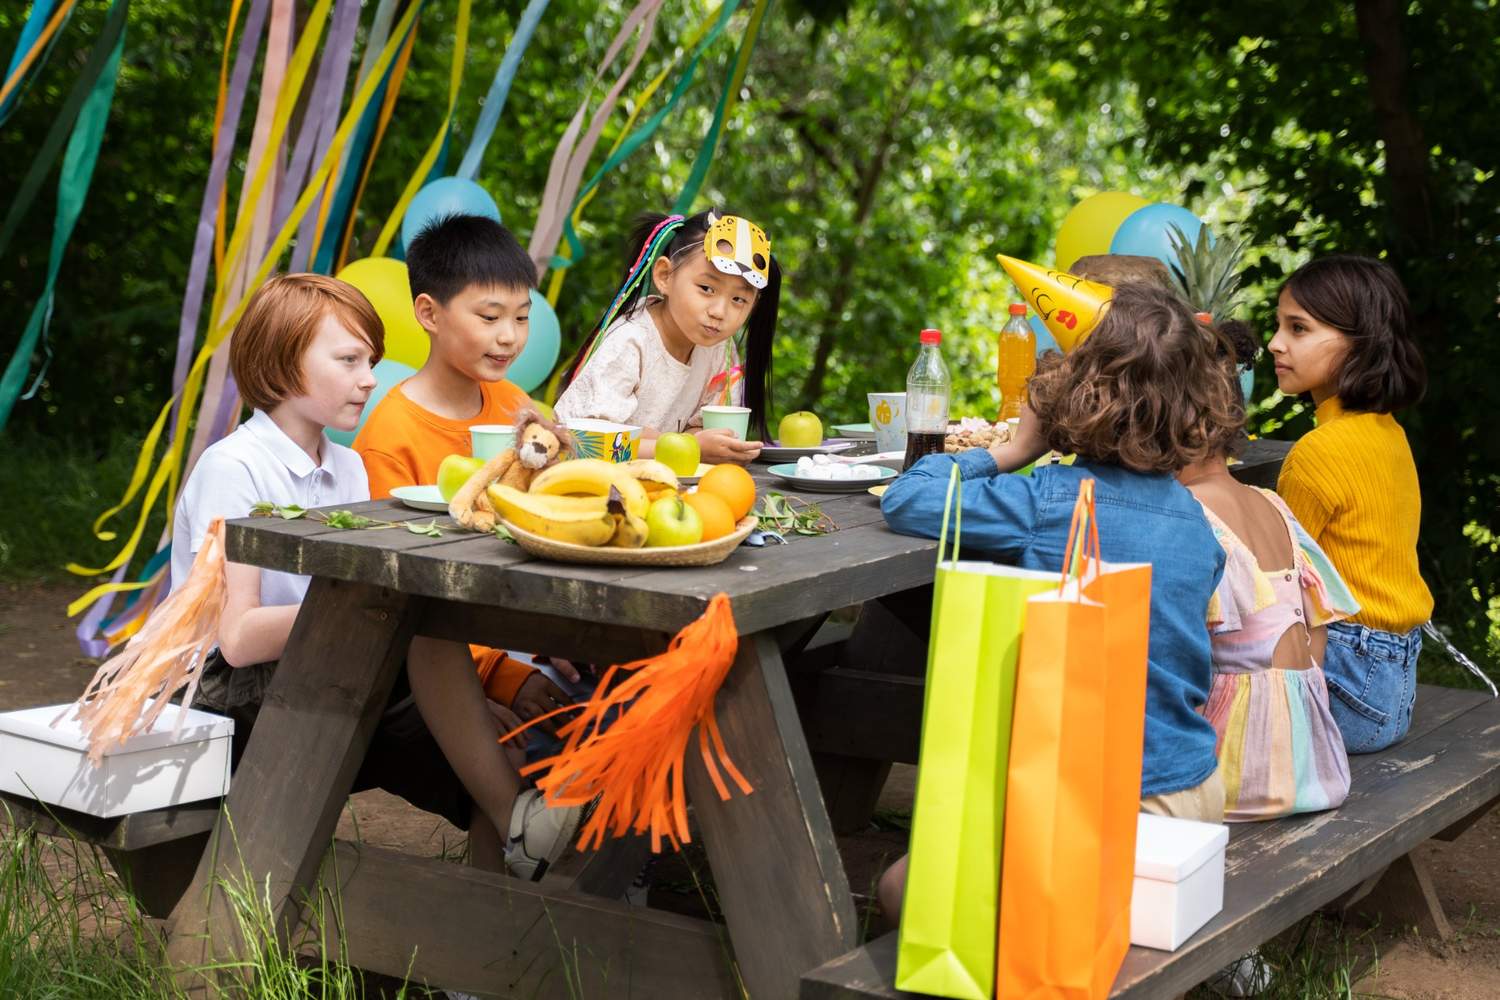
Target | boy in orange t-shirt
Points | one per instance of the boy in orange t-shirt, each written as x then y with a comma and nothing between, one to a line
471,285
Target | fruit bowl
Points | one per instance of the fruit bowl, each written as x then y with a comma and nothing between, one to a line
702,554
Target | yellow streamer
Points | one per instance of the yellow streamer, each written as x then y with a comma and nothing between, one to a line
455,77
170,463
234,18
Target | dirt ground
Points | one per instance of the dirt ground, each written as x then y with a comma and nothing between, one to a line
40,665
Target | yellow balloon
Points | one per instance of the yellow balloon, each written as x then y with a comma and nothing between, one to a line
1070,306
384,282
1090,226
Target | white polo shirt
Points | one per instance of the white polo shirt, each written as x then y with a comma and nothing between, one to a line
259,462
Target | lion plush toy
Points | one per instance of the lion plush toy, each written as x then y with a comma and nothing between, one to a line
539,444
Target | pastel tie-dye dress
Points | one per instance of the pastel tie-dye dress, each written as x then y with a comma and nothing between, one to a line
1280,751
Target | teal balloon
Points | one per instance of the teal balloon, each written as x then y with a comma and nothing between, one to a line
1146,232
446,196
1044,340
1247,383
543,343
387,374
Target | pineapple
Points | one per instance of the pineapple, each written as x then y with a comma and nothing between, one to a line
1208,271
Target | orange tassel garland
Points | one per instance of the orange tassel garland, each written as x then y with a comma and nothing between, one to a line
634,766
164,657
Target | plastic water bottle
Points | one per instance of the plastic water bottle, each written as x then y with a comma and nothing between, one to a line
927,390
1017,361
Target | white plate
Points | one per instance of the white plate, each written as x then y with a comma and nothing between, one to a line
788,474
698,474
421,498
774,452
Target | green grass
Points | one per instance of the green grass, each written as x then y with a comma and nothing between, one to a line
70,931
51,494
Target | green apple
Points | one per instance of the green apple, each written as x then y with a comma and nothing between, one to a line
800,430
454,472
679,452
672,522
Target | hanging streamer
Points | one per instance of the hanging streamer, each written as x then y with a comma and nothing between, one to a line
570,158
494,101
644,132
419,175
727,100
336,222
73,187
322,114
170,462
32,49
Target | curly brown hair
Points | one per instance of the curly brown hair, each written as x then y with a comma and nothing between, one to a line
1150,389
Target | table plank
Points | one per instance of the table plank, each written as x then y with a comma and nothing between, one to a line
458,928
311,734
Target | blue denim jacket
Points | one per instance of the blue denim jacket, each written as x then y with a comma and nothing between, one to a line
1142,519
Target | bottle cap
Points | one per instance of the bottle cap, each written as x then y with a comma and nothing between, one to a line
932,336
1018,309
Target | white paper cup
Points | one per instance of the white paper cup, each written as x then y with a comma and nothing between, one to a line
489,440
888,417
735,418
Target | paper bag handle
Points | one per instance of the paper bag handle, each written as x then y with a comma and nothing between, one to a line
954,503
1083,538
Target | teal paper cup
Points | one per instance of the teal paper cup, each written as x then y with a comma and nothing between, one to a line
489,440
734,418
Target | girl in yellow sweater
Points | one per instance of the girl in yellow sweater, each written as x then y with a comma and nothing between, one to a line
1343,336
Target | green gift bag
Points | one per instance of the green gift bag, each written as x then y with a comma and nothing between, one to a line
951,906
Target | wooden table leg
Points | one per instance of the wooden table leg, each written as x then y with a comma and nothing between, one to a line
309,740
775,863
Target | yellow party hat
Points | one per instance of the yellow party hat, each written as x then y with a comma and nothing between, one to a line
1068,304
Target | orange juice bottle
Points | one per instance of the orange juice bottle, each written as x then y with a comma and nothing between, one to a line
1017,361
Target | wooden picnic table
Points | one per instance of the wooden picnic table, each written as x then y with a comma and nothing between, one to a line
779,880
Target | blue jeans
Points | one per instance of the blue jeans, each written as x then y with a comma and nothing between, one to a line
1372,683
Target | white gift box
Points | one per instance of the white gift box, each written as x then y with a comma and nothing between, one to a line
1179,879
152,770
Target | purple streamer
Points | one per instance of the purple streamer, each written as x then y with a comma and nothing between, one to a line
192,300
322,108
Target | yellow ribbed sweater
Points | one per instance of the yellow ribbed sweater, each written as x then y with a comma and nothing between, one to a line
1353,485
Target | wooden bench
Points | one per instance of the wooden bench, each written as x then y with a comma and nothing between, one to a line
1434,784
155,853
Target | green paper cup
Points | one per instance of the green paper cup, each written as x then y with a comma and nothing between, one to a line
489,440
735,418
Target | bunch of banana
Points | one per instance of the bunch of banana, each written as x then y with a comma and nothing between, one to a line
587,501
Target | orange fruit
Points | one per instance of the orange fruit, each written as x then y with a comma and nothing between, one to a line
717,520
733,485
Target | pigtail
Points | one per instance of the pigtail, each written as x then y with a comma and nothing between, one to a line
760,336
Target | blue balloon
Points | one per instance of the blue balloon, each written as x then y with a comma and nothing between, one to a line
1145,231
543,343
1044,339
445,196
1247,384
387,374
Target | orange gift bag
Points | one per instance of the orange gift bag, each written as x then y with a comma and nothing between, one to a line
1074,777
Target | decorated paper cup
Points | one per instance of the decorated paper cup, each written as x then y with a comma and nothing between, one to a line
489,440
735,418
604,439
888,417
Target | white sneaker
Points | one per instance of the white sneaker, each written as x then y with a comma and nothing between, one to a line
538,834
1247,976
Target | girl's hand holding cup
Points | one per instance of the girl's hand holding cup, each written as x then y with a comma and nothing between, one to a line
721,444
